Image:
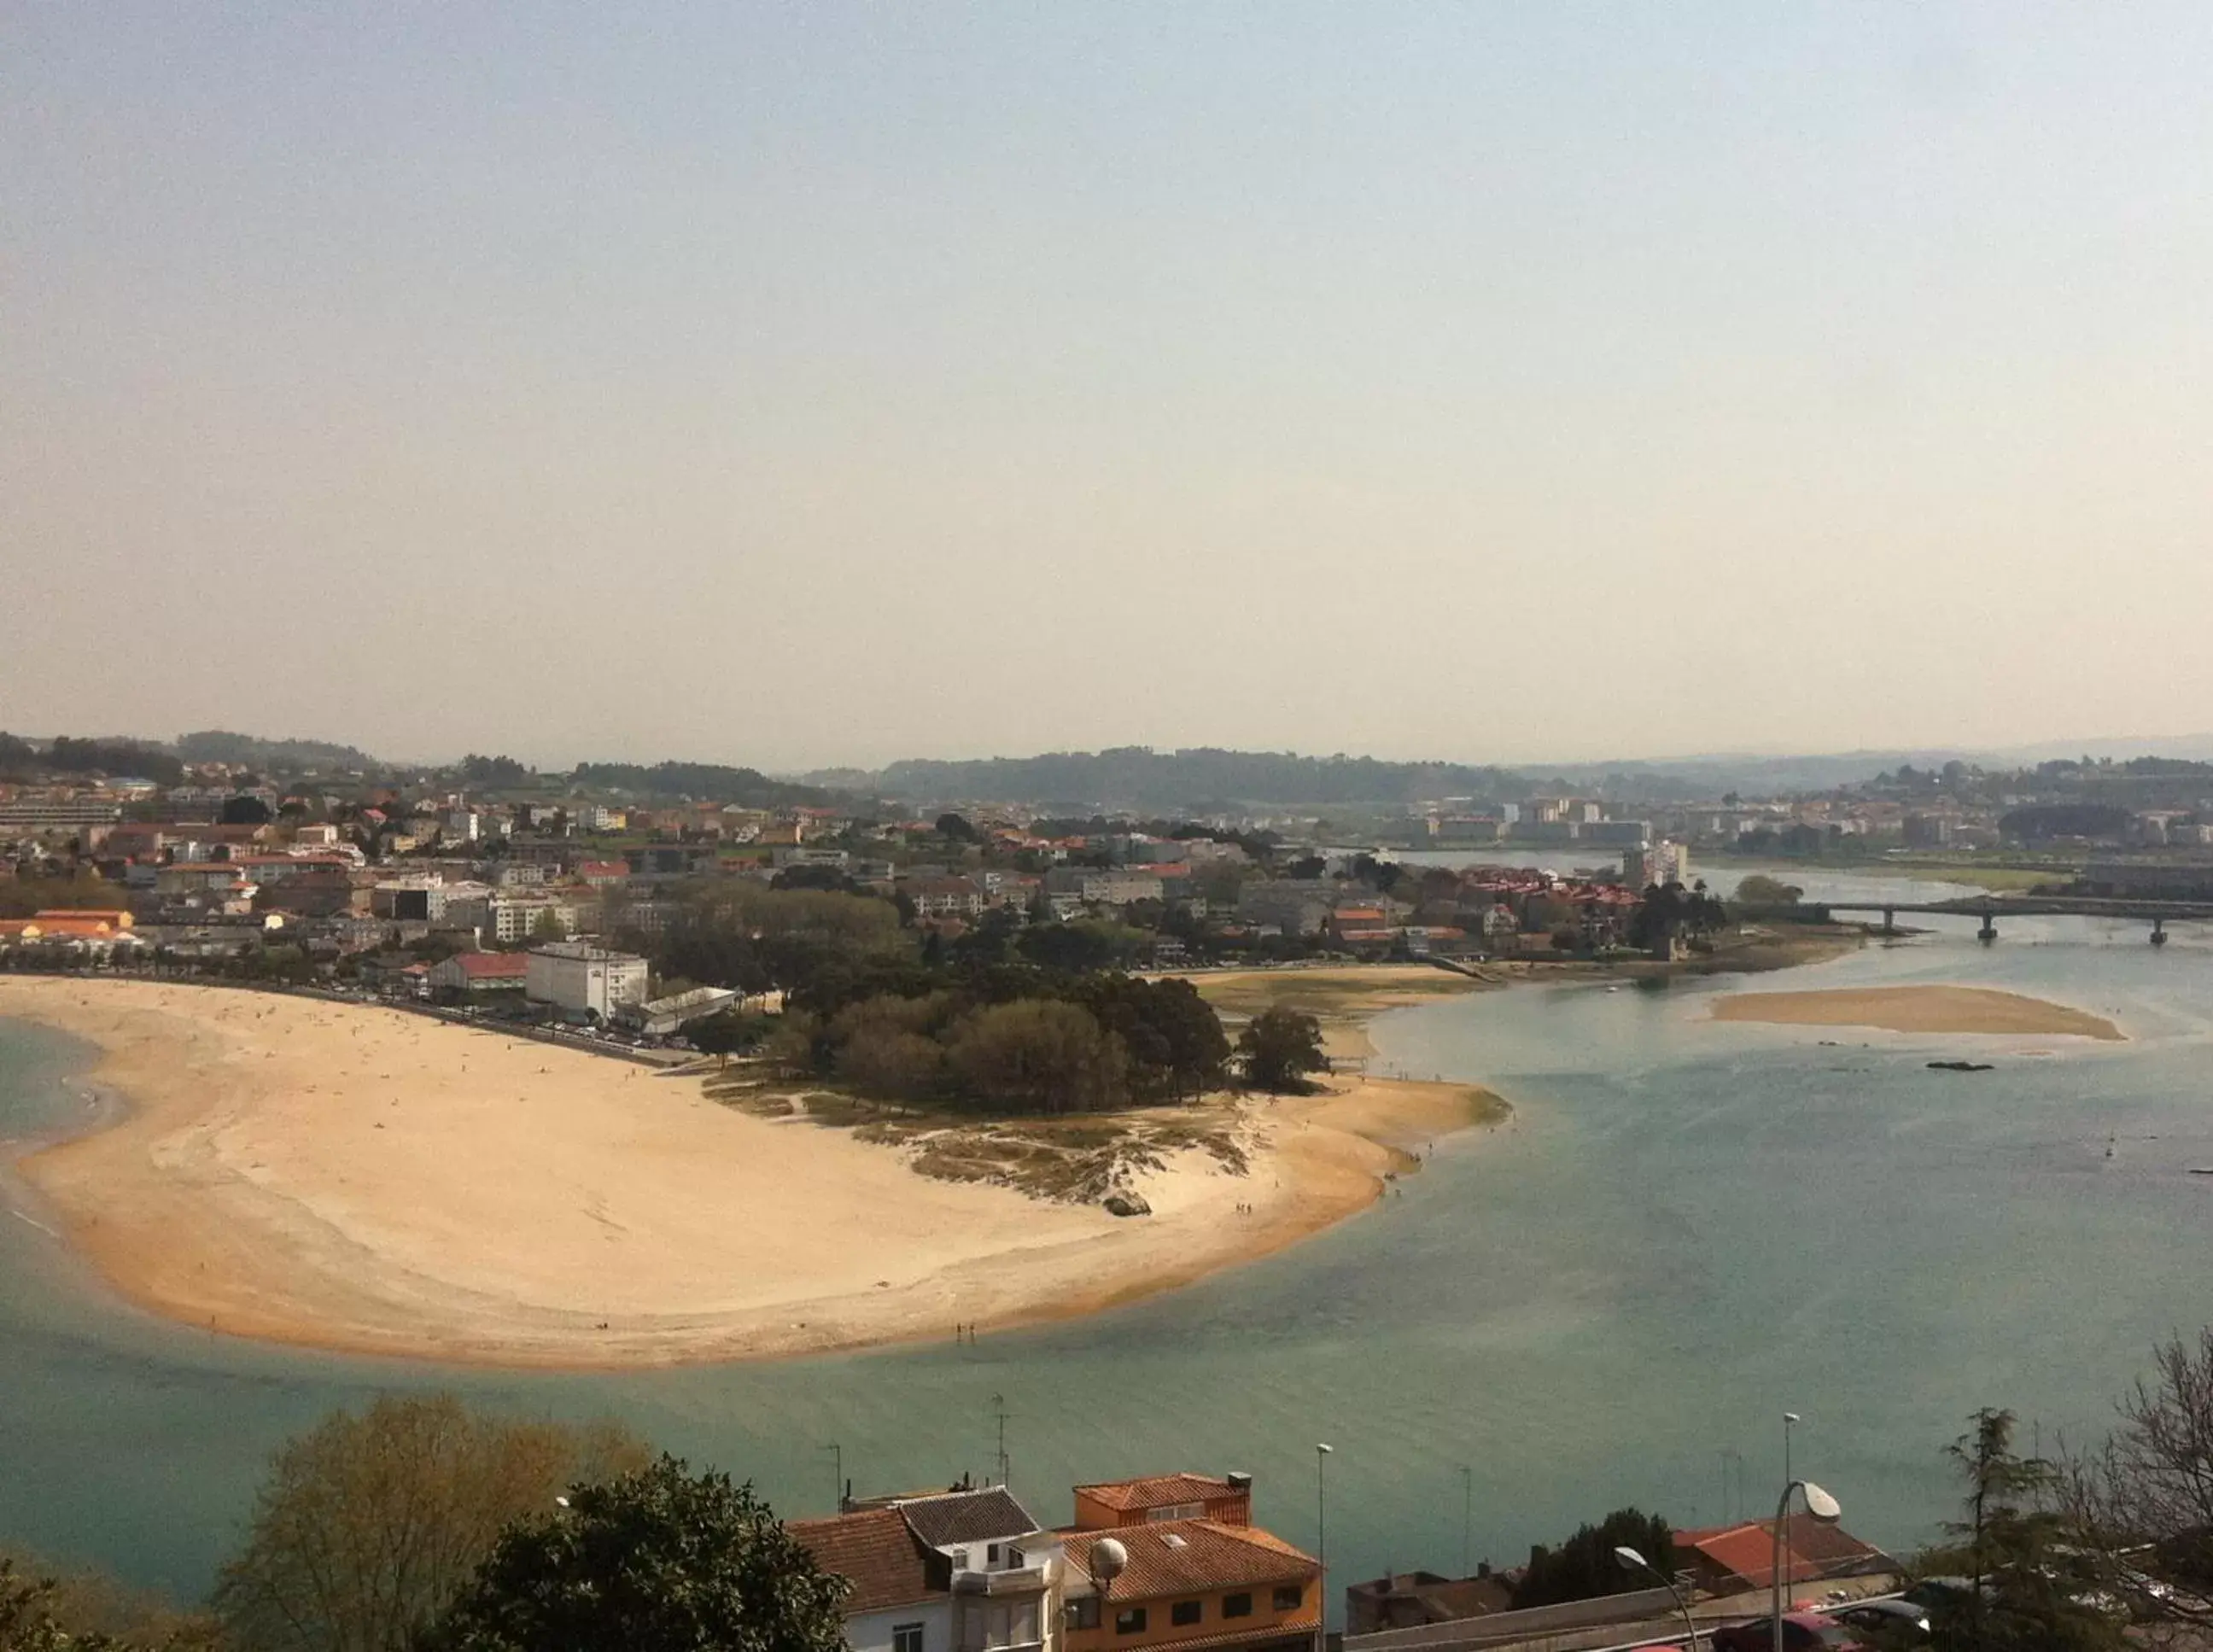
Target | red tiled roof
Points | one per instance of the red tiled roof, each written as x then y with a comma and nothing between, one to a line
1208,1556
1157,1491
492,966
1810,1550
875,1551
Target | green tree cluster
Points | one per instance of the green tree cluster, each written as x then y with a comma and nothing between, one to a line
1278,1048
660,1560
1008,1038
1584,1567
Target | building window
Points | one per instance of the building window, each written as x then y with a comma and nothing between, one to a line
1237,1606
1083,1614
1130,1620
1290,1596
907,1638
1183,1612
1176,1511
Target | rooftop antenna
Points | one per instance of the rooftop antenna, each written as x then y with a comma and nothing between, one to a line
837,1468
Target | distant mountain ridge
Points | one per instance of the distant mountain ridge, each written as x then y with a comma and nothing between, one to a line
1137,777
1141,778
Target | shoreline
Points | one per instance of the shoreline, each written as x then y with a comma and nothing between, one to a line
557,1211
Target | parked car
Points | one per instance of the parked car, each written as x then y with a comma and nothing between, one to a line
1933,1594
1802,1631
1891,1617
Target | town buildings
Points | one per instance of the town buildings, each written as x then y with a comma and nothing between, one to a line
1171,1562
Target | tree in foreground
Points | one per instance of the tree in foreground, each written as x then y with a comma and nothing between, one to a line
1584,1567
2142,1503
2030,1586
86,1613
367,1527
658,1561
1278,1048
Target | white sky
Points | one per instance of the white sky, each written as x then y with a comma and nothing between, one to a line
794,385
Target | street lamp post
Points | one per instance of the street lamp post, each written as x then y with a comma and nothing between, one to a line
1636,1562
1322,1544
1467,1520
1822,1507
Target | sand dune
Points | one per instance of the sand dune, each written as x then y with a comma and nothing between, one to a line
362,1178
1916,1010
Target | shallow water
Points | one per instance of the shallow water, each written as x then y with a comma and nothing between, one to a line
1687,1229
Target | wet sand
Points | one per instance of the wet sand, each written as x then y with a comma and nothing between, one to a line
1918,1010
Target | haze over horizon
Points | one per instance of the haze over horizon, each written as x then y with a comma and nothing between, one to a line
838,385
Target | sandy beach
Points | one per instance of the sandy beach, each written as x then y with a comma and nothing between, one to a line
1916,1010
360,1178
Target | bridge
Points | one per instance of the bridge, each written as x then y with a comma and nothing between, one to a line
1989,908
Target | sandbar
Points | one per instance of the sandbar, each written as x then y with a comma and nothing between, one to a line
360,1178
1916,1010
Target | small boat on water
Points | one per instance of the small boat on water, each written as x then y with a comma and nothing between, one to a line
2201,1170
1963,1066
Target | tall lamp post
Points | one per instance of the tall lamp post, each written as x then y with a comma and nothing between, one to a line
1822,1507
1467,1520
1322,1544
1634,1561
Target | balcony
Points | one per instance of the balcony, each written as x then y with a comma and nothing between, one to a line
1014,1579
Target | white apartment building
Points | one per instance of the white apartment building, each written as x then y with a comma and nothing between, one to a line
585,980
964,1571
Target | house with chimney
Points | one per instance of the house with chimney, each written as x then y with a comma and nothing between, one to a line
1174,1561
965,1570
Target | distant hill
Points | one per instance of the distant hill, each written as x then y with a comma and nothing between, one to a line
285,756
706,782
1198,778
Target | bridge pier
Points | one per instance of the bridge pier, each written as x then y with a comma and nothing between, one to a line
2159,931
1890,920
1989,932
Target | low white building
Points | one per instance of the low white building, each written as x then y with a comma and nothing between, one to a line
585,980
659,1017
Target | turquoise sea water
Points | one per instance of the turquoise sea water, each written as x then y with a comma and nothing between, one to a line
1687,1229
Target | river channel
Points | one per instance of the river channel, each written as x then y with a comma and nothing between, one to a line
1687,1228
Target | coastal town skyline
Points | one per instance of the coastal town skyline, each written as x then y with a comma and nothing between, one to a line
1106,827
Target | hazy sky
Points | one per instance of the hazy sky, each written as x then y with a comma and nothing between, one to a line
813,383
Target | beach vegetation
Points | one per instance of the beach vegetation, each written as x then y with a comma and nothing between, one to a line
659,1560
1278,1048
1039,1055
367,1527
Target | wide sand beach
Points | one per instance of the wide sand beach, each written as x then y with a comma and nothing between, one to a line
362,1179
1918,1010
